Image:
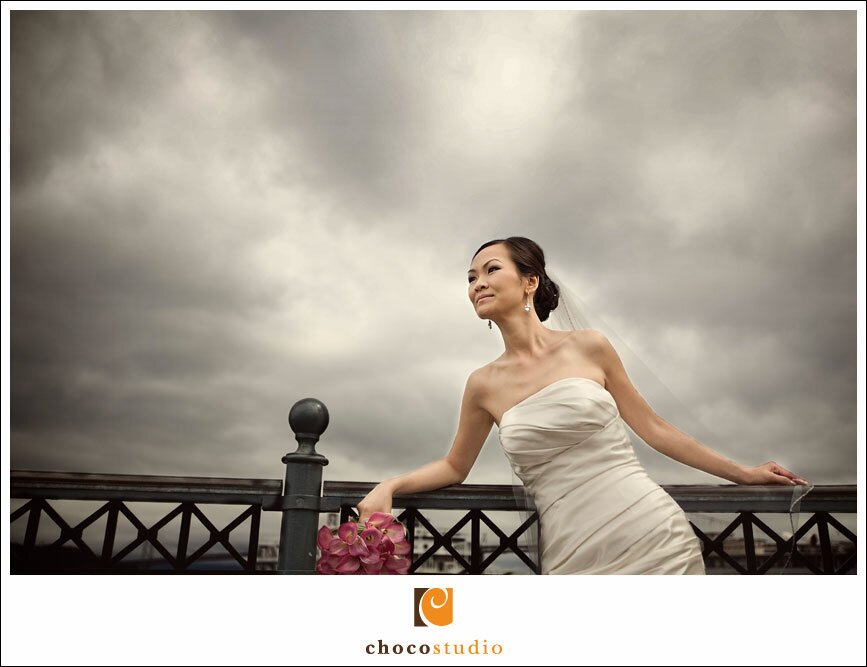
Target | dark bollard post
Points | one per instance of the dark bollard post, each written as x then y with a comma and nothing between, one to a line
302,488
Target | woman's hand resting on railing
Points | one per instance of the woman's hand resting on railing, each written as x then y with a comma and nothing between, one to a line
378,500
770,473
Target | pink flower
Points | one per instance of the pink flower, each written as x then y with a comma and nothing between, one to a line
380,548
396,565
348,533
371,537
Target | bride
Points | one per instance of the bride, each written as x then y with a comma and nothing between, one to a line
560,400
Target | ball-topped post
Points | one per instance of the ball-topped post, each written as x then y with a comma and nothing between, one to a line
302,489
308,419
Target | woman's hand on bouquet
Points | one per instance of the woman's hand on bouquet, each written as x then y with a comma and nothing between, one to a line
378,500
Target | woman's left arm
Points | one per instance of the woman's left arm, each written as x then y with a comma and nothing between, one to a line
663,436
672,442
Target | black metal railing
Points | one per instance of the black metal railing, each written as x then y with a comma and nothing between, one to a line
299,500
746,502
475,499
39,487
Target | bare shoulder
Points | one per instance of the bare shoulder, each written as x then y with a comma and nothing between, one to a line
591,340
475,380
482,385
595,350
476,396
478,380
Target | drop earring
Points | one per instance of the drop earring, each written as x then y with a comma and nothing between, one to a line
527,306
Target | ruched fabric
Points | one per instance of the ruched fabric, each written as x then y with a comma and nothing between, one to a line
599,511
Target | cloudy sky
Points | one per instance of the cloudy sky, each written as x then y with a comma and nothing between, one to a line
217,214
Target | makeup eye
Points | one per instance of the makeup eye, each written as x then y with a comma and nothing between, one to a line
490,268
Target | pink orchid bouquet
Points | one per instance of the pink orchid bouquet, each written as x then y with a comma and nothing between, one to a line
380,547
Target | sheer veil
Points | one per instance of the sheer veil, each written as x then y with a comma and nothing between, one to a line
572,313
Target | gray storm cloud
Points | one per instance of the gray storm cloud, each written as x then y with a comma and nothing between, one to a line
215,214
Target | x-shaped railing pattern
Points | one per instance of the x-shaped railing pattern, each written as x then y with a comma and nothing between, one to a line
476,565
36,507
784,547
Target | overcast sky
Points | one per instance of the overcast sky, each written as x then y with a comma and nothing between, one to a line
216,214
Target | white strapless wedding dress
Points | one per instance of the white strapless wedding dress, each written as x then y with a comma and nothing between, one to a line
599,511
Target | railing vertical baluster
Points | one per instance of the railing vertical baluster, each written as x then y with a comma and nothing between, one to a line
32,526
253,543
302,489
538,554
183,537
475,543
749,542
110,532
410,529
825,543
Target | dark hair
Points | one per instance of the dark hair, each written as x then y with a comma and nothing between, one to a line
530,260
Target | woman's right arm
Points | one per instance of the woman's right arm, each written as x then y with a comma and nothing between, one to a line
429,477
473,429
432,476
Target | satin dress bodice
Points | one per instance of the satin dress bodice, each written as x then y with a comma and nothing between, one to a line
599,511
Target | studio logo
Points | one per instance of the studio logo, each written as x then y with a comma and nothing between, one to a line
433,606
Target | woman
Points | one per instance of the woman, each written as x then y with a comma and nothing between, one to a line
560,399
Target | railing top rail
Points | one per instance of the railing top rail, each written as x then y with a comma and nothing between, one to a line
26,482
692,497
